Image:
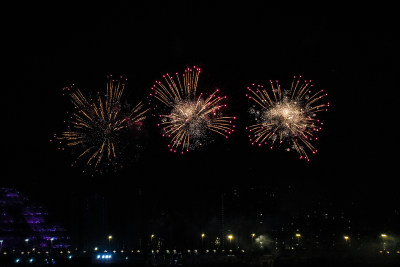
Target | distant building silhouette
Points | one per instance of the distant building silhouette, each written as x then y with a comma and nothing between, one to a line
89,221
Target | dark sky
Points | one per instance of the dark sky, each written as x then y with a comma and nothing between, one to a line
351,53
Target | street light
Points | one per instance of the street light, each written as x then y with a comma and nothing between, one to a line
27,242
384,236
109,240
252,237
202,238
230,237
51,242
298,238
151,240
347,239
1,244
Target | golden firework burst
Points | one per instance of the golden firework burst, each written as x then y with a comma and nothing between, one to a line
286,117
190,118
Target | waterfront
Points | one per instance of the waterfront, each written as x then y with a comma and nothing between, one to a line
278,259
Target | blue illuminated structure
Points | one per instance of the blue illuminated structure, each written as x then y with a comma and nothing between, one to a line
103,258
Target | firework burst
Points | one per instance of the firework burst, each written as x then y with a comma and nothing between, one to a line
286,118
96,125
190,117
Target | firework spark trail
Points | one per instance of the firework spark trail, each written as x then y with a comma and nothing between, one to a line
95,125
190,118
286,117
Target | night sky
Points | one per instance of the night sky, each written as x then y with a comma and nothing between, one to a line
350,53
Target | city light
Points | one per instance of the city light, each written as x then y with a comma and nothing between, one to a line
384,243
